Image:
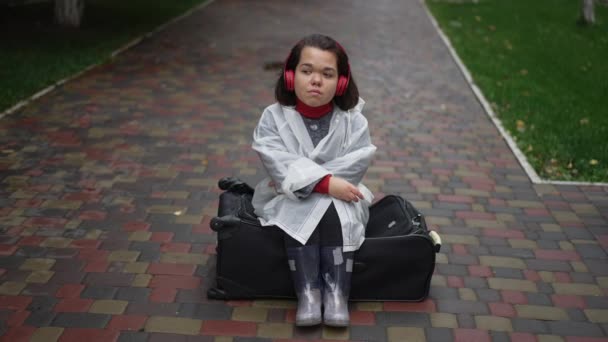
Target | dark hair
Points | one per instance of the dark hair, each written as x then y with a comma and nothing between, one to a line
288,98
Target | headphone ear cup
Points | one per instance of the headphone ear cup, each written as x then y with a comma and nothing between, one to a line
342,85
289,80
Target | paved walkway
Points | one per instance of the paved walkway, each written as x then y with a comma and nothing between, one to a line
107,186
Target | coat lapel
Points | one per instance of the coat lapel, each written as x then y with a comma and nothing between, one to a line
296,124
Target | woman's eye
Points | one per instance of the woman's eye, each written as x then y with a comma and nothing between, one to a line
329,75
307,72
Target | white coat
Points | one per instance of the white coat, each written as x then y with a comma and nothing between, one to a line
292,162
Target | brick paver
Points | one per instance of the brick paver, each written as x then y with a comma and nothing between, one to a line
108,184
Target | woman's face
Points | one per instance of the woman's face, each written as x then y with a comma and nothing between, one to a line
316,76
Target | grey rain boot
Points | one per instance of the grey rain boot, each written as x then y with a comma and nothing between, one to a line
304,266
336,269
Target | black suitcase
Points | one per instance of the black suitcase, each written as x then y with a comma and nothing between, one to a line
395,263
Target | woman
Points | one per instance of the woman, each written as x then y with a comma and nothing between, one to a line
316,148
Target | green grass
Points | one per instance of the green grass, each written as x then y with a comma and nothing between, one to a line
545,76
35,53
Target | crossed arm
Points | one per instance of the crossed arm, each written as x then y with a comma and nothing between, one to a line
293,173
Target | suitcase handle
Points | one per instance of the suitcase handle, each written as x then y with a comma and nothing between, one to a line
235,185
218,223
436,240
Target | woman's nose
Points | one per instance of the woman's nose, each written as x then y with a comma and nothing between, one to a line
315,79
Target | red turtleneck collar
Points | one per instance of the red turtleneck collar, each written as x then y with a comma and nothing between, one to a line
313,112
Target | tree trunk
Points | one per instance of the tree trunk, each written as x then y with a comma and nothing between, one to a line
588,13
69,12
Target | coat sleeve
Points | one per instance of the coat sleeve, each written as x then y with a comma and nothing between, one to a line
290,170
359,150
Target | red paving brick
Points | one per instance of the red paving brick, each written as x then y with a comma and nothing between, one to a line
480,271
31,240
514,297
454,281
549,254
239,302
471,335
69,291
171,269
362,318
93,215
7,249
459,249
136,226
161,237
508,233
502,309
18,318
15,302
562,277
73,305
45,222
424,306
568,301
163,295
532,275
18,334
175,247
88,244
92,254
97,266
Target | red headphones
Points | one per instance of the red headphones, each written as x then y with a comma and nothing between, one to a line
289,77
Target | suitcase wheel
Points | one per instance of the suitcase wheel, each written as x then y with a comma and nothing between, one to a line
215,293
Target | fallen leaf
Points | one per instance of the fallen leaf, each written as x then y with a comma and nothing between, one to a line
521,126
523,72
593,162
584,121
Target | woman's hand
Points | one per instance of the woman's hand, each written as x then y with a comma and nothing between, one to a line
342,189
